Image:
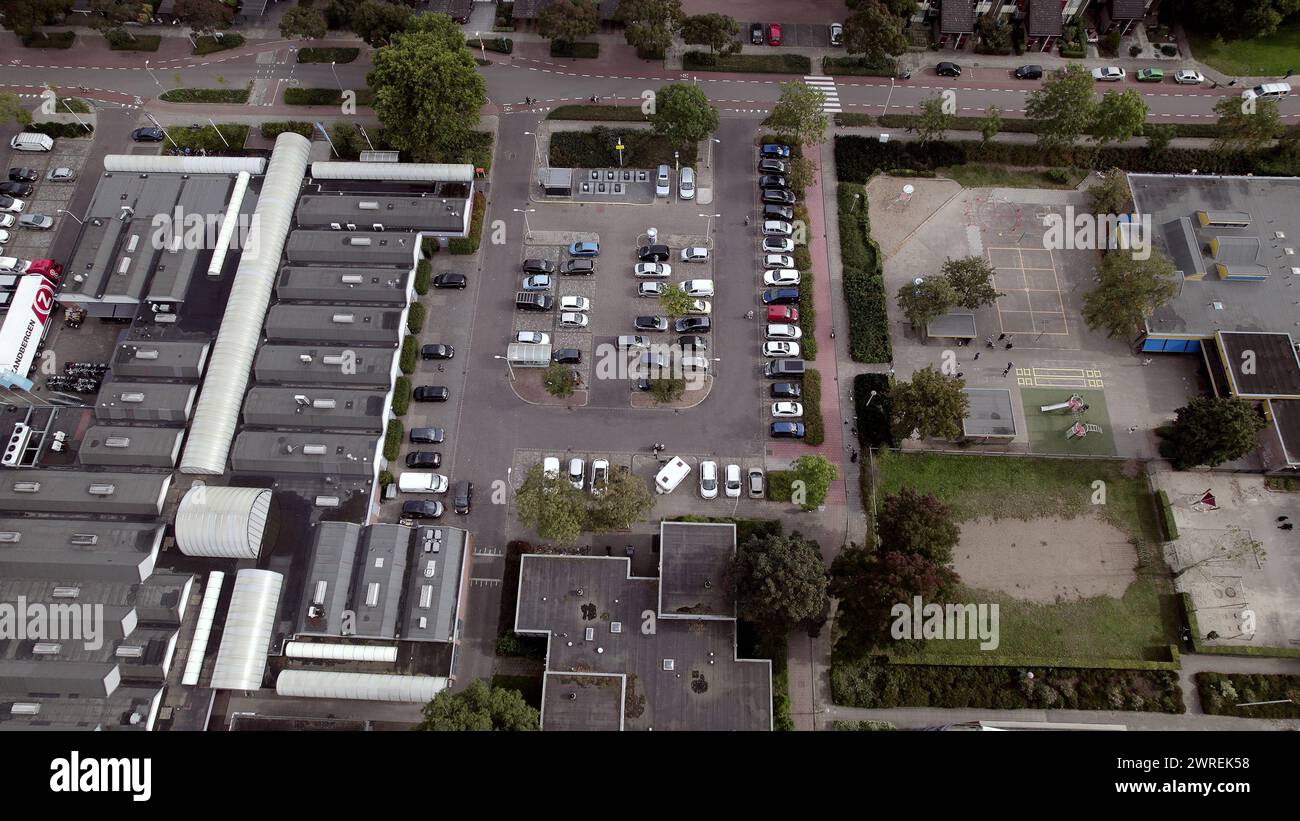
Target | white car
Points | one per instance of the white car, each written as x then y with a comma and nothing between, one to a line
1108,74
577,472
575,303
12,205
1189,77
698,287
651,289
599,476
551,467
4,236
663,181
654,270
777,228
7,220
783,331
709,480
787,410
701,306
778,245
781,348
697,253
778,261
533,338
695,363
731,482
572,319
686,183
781,277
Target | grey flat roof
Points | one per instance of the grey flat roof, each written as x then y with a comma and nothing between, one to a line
343,285
69,491
1276,370
84,712
333,556
707,687
324,365
266,452
445,583
381,569
336,247
1203,307
990,413
162,402
119,446
96,679
352,410
574,702
147,359
693,562
174,268
958,324
161,598
317,323
1286,420
58,549
413,213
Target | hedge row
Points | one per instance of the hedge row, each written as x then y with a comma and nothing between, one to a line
324,96
208,44
1173,662
1012,125
872,415
120,40
210,96
814,425
607,113
423,273
498,45
586,51
393,439
1167,517
51,39
807,315
401,395
410,351
415,318
747,63
864,284
855,66
1222,692
780,485
469,244
328,55
272,130
61,129
642,148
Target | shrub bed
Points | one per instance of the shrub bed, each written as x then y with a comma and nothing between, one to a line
872,415
780,485
393,439
1167,517
585,51
206,139
496,45
415,318
423,273
1222,692
66,130
814,425
846,119
328,55
120,40
747,63
608,113
468,245
206,95
272,130
209,44
50,39
401,395
75,104
857,67
595,149
864,286
324,96
410,350
1012,125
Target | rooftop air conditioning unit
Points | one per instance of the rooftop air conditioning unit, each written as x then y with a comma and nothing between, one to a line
165,319
84,539
67,592
343,318
151,353
117,442
27,487
332,359
378,226
368,205
372,594
129,651
359,241
334,226
10,537
132,243
352,279
24,708
328,501
304,358
101,490
314,450
135,397
352,226
318,597
46,648
124,265
324,404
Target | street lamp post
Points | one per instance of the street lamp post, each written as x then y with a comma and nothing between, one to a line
482,49
509,367
537,149
869,400
677,169
151,75
708,161
79,220
336,77
528,231
708,230
890,95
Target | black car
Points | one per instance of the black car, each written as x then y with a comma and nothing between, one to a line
651,323
1029,73
778,196
769,181
16,189
771,167
693,324
450,281
428,436
539,266
23,175
430,459
787,430
567,356
437,352
578,267
786,390
699,343
781,296
653,253
778,212
422,509
756,34
462,497
148,135
643,384
946,69
431,393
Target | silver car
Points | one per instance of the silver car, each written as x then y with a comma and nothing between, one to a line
37,222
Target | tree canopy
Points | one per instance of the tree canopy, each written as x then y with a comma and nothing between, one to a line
1234,18
565,21
798,115
868,586
924,301
971,279
1246,126
1128,291
932,405
912,522
811,477
551,506
780,580
1210,431
650,25
305,22
1063,107
479,708
717,31
875,31
683,114
1119,115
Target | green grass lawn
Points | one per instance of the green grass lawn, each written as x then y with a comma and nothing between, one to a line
1047,430
978,175
1259,57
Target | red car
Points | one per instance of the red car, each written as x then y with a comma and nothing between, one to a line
774,34
782,313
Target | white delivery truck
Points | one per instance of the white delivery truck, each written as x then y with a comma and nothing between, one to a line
421,482
671,475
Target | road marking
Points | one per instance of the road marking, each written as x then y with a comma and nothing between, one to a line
826,85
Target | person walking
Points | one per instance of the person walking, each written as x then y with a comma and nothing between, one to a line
989,340
977,356
1008,368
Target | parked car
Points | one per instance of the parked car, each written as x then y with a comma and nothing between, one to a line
663,181
731,481
567,356
1267,91
756,34
421,482
781,330
462,497
585,249
695,363
61,174
1188,77
781,276
772,167
573,319
11,205
536,282
786,390
4,236
774,34
6,220
424,459
653,363
651,289
772,211
653,253
577,472
599,476
1150,75
947,69
781,296
686,183
756,484
777,228
36,222
551,468
437,351
532,338
533,302
428,436
698,287
696,253
1029,73
148,135
778,196
773,181
539,266
693,343
774,151
780,349
651,323
23,175
787,410
701,306
578,267
1108,74
448,280
575,303
708,479
658,270
778,261
431,393
778,245
422,509
837,34
693,324
782,313
787,430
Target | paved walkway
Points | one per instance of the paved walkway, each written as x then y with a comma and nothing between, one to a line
911,718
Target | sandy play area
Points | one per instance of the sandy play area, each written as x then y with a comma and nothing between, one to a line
1046,560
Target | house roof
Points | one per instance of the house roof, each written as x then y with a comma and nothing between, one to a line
957,17
1045,18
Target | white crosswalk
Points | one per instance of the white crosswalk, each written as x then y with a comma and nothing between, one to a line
826,85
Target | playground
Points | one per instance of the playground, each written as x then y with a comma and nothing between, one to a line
1066,421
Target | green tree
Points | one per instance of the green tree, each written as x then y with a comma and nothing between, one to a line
112,15
559,380
1112,194
912,522
380,23
625,501
1245,127
798,115
667,390
931,406
933,120
204,15
551,506
868,586
479,707
567,21
1234,18
971,279
12,111
304,22
780,580
683,114
875,32
1128,291
990,124
926,300
810,478
428,91
801,173
26,17
1119,115
1063,107
1159,137
717,31
1210,431
650,25
675,302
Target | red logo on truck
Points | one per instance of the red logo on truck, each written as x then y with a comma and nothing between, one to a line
43,302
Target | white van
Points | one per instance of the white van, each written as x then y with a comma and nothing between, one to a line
1267,91
663,182
31,141
421,482
671,475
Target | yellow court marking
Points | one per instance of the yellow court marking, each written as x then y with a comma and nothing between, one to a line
1022,268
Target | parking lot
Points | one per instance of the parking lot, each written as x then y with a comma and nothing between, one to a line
49,197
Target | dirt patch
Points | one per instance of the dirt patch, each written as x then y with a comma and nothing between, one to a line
1046,560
